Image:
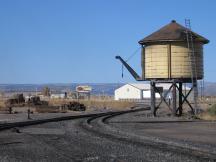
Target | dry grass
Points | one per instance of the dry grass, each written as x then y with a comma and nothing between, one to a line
2,104
57,102
100,104
108,104
47,110
94,103
207,101
209,114
90,105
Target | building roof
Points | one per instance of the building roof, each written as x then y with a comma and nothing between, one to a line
146,86
171,32
140,86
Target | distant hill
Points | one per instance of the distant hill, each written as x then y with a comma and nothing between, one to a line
98,88
210,89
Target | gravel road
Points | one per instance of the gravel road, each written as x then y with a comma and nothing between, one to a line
90,139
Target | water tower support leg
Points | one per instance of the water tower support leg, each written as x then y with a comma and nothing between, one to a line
174,99
185,99
180,99
153,108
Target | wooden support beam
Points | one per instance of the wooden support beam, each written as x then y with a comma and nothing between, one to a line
185,99
180,99
153,109
174,99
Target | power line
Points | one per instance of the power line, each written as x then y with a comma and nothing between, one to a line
133,54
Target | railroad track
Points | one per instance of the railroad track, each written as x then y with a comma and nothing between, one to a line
100,126
42,121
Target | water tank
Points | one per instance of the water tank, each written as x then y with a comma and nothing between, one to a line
165,54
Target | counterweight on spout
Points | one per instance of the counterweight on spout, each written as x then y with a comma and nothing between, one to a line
133,73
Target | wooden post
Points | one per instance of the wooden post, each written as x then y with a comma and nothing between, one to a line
29,114
10,110
153,110
180,99
174,99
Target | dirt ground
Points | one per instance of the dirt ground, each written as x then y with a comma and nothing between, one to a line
71,141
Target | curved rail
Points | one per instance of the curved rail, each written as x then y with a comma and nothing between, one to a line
99,125
56,119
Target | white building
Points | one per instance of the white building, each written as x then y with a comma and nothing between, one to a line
58,96
138,91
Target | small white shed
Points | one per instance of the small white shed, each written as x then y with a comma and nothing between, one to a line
134,91
138,91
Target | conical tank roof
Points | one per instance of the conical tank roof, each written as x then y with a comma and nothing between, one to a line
171,33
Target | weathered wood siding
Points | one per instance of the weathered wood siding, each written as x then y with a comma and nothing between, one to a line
171,60
156,61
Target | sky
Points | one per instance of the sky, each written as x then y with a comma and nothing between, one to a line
76,41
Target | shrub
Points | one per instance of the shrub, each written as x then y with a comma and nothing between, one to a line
212,110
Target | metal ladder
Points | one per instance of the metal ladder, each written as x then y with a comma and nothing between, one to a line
203,89
191,54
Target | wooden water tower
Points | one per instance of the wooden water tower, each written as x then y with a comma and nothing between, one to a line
173,54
